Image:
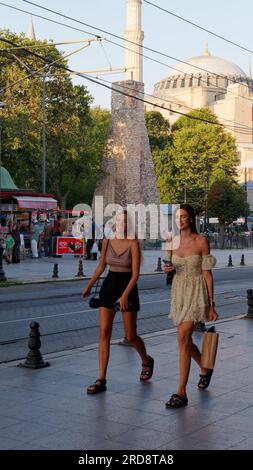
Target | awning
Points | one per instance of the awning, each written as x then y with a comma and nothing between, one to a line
30,202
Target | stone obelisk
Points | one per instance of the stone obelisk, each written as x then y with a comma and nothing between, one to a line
128,170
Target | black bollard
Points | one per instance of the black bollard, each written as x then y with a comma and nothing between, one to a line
34,358
242,261
230,261
80,269
55,271
250,303
159,265
2,273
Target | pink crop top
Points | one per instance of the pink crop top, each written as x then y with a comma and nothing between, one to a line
119,263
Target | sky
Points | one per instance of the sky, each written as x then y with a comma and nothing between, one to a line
167,34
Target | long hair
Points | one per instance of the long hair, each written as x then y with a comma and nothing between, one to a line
192,214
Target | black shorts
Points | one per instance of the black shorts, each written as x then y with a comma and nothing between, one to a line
113,287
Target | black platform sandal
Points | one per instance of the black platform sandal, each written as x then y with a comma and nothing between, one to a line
176,401
147,370
98,387
205,379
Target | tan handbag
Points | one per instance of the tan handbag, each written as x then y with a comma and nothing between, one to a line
209,348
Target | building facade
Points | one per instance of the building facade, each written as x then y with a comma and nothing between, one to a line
207,81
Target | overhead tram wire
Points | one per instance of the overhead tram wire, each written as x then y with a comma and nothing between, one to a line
42,46
89,78
238,126
196,26
48,63
124,47
150,58
122,38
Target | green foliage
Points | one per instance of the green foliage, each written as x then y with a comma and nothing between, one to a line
74,144
226,200
196,155
158,130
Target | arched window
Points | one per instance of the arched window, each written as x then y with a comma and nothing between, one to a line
191,81
207,80
174,84
199,81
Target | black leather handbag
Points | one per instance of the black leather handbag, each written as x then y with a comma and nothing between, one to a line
170,275
95,301
169,278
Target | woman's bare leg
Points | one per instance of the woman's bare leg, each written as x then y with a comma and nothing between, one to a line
185,331
106,317
130,326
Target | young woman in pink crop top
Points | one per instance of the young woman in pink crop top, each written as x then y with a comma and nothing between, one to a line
123,256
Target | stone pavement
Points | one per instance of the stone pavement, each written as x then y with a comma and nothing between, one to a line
49,408
41,269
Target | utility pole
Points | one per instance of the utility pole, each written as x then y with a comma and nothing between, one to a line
246,198
43,133
2,273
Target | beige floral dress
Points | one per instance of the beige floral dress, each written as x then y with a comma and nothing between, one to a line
189,298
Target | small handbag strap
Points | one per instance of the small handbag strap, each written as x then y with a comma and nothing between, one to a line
98,279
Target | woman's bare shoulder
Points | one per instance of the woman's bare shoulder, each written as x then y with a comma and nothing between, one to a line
202,241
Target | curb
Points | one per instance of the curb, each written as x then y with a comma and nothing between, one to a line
75,278
115,342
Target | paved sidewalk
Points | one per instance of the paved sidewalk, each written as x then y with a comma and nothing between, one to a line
49,408
37,270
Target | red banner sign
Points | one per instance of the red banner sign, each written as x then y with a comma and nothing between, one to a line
69,246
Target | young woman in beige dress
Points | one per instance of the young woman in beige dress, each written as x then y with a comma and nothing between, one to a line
191,298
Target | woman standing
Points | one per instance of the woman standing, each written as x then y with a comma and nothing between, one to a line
123,257
192,297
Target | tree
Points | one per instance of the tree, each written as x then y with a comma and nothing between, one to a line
84,188
158,130
74,143
226,201
197,154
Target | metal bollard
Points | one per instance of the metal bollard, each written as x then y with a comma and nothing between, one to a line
34,358
250,303
159,265
2,273
230,261
55,271
80,269
242,261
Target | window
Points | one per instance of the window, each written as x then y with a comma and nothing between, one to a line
174,84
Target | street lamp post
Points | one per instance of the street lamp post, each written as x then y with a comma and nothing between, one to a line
246,198
2,273
44,133
248,165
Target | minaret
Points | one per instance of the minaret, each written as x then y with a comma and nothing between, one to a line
206,51
134,33
31,32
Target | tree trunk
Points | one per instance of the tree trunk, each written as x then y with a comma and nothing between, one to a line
63,202
222,229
